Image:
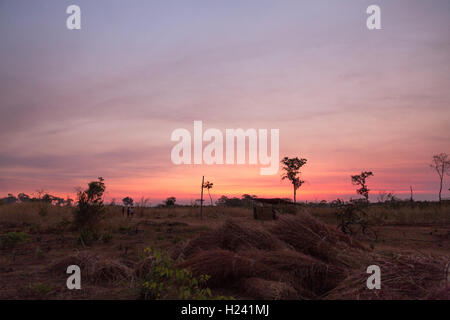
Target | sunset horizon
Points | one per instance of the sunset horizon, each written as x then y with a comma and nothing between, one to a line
105,99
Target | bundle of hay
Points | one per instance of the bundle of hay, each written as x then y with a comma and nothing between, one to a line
312,237
225,267
410,277
144,267
296,257
309,276
301,275
108,271
93,268
233,237
261,289
85,260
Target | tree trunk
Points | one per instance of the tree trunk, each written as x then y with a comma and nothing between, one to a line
440,191
210,197
295,195
201,199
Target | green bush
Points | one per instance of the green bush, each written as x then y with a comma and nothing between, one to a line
39,289
90,209
166,281
88,237
11,239
107,237
43,211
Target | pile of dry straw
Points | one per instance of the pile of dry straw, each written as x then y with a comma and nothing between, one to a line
299,257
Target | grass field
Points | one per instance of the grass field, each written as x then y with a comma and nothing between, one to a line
230,255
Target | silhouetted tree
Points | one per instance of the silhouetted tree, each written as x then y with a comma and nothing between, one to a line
59,201
360,180
128,201
441,164
69,201
222,201
23,197
47,198
170,202
208,185
9,199
90,206
291,167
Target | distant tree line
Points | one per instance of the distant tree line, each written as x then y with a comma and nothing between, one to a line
245,201
42,198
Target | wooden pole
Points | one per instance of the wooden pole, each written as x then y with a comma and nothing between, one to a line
201,198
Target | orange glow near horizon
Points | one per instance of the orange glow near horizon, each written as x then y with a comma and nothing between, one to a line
234,181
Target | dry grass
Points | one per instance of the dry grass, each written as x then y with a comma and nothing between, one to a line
40,214
268,290
295,257
233,237
225,267
308,235
309,276
413,277
404,214
94,268
85,260
109,271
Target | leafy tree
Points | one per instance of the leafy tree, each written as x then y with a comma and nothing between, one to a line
23,197
128,202
69,201
291,167
48,198
170,202
222,201
441,164
90,208
360,180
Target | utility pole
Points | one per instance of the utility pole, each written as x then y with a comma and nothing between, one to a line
201,198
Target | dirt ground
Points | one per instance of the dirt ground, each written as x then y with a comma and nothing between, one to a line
25,269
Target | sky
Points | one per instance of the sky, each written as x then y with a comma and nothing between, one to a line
104,100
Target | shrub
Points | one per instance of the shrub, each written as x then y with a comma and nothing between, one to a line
164,280
90,209
39,289
43,211
107,237
11,239
88,237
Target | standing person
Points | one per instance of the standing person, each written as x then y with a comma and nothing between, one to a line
131,211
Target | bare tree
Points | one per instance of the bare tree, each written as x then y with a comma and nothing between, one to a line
360,180
441,164
291,167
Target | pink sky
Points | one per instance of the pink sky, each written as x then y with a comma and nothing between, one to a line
104,101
